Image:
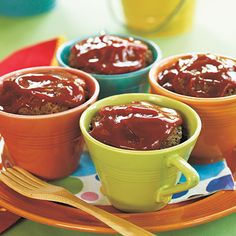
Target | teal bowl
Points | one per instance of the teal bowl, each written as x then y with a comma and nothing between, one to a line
20,8
132,82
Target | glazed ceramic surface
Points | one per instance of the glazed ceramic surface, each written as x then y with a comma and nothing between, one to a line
217,139
49,146
139,181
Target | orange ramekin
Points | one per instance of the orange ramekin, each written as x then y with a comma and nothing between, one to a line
218,136
48,146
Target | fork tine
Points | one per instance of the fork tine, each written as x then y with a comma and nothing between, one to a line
14,178
22,177
15,186
27,175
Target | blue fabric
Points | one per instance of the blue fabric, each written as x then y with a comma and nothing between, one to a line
86,166
177,195
207,171
224,182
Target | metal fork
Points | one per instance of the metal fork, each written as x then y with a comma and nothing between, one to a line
28,185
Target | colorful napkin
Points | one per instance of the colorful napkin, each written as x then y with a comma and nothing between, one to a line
85,184
41,54
213,178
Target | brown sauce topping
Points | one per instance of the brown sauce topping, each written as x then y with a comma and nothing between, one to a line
135,126
35,89
108,54
201,75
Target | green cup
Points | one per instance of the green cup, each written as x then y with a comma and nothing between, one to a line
140,181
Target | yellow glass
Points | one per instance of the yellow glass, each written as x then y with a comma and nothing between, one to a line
158,17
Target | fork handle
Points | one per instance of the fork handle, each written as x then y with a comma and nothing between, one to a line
122,226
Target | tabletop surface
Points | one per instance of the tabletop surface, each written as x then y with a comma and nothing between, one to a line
214,31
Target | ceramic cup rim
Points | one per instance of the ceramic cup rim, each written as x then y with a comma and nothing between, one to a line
165,62
145,97
144,70
58,114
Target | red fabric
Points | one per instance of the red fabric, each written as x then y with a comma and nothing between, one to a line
36,55
7,219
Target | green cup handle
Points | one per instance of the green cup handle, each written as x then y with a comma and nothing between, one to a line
192,179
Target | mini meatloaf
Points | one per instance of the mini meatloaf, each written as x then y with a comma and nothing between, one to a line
109,54
138,126
200,75
42,93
